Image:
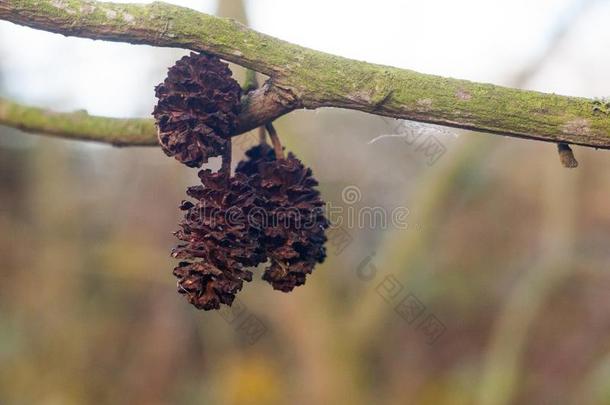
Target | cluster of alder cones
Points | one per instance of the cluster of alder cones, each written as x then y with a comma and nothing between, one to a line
267,211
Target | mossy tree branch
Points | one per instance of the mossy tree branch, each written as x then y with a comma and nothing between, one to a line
79,125
258,107
304,78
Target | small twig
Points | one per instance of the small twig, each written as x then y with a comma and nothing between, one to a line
566,156
226,159
275,140
250,82
262,136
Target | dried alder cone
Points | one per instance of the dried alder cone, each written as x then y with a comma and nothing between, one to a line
293,236
198,106
269,211
218,240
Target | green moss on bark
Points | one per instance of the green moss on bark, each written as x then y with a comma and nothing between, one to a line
318,79
79,125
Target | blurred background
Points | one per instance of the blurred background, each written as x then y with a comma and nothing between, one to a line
496,291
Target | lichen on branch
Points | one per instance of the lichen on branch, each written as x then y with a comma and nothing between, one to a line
79,125
304,78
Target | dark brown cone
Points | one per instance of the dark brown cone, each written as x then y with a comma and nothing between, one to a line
295,223
255,156
198,106
218,240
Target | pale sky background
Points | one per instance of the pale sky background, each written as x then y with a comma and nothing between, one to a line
479,40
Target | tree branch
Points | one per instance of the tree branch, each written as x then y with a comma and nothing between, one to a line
304,78
79,125
258,107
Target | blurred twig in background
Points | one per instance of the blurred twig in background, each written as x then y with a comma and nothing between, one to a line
507,344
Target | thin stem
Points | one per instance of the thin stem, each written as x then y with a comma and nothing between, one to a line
226,159
566,156
262,136
250,82
275,141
